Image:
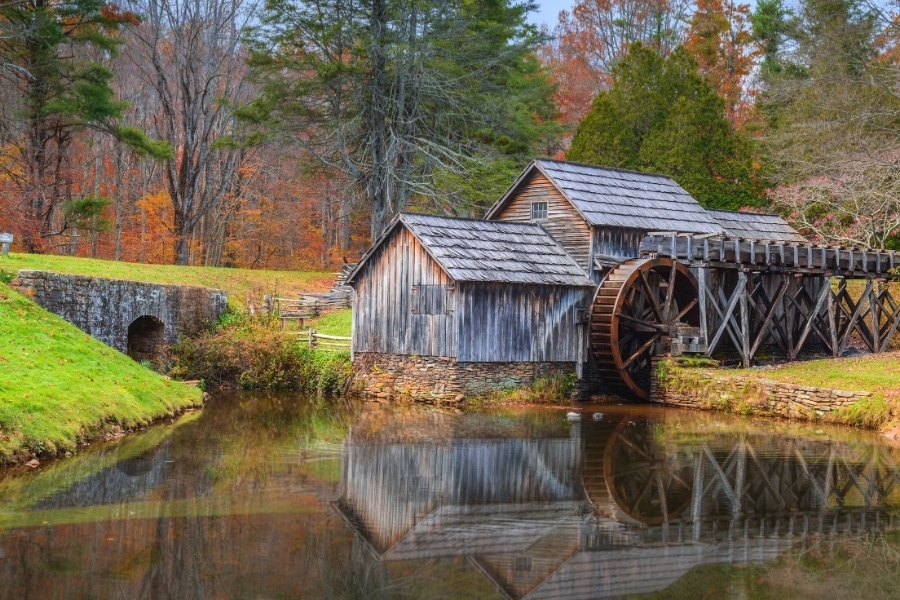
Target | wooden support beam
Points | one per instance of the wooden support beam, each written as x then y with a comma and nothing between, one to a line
810,319
832,321
855,322
893,319
726,315
702,276
744,348
875,313
768,316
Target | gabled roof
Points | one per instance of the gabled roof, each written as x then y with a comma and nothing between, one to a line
618,198
488,251
756,226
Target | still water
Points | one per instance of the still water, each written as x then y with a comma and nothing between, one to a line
280,497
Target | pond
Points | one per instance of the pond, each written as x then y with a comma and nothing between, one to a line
281,496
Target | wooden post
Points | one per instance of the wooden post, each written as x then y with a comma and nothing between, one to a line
312,338
744,285
702,274
874,307
832,319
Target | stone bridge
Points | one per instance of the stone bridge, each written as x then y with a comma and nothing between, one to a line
139,319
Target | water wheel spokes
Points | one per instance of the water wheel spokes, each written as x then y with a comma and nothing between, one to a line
638,307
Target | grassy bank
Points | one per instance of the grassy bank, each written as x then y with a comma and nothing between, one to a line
238,283
876,374
60,387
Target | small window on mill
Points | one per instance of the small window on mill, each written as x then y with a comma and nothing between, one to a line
538,210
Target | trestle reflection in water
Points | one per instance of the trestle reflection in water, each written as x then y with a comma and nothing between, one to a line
267,496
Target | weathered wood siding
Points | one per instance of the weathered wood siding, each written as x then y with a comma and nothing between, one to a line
390,316
514,322
614,242
563,222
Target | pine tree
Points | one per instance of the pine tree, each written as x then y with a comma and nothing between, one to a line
57,89
660,115
403,97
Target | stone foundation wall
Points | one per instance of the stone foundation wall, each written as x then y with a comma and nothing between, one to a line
104,308
441,379
747,395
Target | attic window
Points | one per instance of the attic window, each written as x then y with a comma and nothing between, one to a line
538,210
523,564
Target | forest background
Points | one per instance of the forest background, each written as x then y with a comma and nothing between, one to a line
287,133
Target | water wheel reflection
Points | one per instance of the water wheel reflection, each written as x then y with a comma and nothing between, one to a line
648,484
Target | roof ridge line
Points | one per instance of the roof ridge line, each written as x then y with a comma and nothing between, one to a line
617,169
467,219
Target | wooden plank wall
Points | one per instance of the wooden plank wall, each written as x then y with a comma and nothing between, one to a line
519,323
615,242
383,320
563,221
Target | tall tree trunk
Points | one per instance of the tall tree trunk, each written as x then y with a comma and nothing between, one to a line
377,189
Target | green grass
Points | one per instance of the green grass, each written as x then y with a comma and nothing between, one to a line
238,283
874,373
333,323
59,386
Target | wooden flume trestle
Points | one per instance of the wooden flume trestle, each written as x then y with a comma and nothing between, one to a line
709,294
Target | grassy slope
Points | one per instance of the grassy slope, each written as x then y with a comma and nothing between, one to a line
874,373
239,283
59,385
334,323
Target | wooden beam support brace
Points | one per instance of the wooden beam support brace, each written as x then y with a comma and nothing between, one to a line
832,319
767,319
820,302
854,318
728,313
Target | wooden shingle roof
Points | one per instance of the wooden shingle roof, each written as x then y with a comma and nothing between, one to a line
490,251
618,198
756,226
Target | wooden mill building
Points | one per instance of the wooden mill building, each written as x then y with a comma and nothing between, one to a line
500,299
447,307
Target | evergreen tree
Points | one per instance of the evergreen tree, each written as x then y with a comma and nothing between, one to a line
403,96
55,89
660,115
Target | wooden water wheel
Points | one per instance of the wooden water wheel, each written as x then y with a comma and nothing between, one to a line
641,305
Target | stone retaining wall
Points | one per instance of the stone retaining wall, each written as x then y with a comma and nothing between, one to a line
695,388
441,379
105,308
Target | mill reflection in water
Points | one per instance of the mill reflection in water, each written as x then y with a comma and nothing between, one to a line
621,506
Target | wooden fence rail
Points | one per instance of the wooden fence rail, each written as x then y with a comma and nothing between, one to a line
320,341
307,306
